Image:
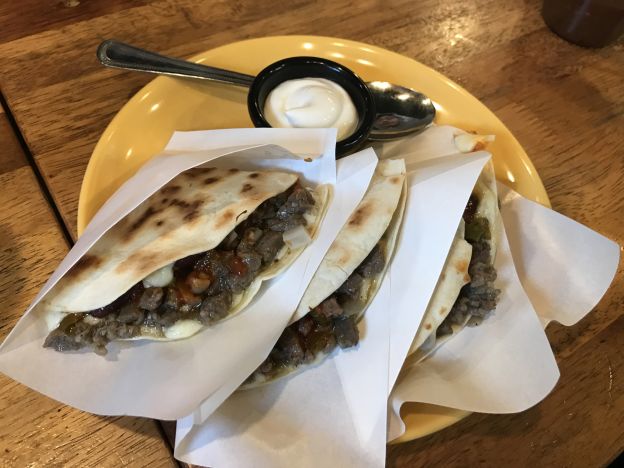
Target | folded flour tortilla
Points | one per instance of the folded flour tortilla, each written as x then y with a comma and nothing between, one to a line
346,281
465,291
192,254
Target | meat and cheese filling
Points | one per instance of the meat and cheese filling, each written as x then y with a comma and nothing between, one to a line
478,298
201,288
330,324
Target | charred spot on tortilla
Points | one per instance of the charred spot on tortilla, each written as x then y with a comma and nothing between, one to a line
233,170
344,257
240,214
197,172
188,211
224,218
443,310
461,265
191,215
160,222
85,262
254,175
185,206
396,180
210,180
140,261
170,189
140,221
360,215
307,159
247,188
428,326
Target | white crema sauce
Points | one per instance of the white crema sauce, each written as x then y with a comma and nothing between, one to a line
311,103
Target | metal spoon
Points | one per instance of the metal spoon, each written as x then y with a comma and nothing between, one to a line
400,110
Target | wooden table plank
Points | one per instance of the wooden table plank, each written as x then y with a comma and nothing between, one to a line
34,16
36,429
557,432
565,104
11,156
87,96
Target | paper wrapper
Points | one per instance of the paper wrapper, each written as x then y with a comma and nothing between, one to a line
335,414
168,380
329,415
506,365
314,418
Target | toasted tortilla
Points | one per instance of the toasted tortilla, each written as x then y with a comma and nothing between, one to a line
455,271
454,277
363,230
376,220
190,214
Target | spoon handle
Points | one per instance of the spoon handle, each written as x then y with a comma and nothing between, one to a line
115,54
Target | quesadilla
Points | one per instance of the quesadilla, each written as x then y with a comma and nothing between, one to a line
193,254
465,293
346,281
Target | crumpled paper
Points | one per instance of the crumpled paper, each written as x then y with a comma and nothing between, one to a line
311,418
335,413
169,380
302,418
552,268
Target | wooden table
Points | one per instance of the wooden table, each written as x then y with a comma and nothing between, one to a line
565,104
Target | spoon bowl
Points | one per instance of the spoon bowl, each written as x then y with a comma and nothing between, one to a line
398,110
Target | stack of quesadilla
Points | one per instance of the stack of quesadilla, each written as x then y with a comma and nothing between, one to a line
346,281
191,255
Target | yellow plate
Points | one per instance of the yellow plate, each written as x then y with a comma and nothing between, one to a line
144,125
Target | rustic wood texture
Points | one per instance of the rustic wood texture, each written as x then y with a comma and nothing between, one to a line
578,424
36,429
564,103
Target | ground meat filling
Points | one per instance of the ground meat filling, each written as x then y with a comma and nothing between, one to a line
326,326
203,287
478,298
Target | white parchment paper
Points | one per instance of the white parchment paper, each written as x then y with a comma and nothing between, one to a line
506,365
309,419
335,414
564,267
170,380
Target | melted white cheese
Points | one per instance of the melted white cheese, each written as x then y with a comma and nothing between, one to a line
468,142
159,278
182,329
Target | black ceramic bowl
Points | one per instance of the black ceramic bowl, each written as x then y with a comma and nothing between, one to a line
315,67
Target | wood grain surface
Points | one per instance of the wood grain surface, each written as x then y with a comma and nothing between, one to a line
36,430
565,104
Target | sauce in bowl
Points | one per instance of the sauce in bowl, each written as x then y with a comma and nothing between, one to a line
311,103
